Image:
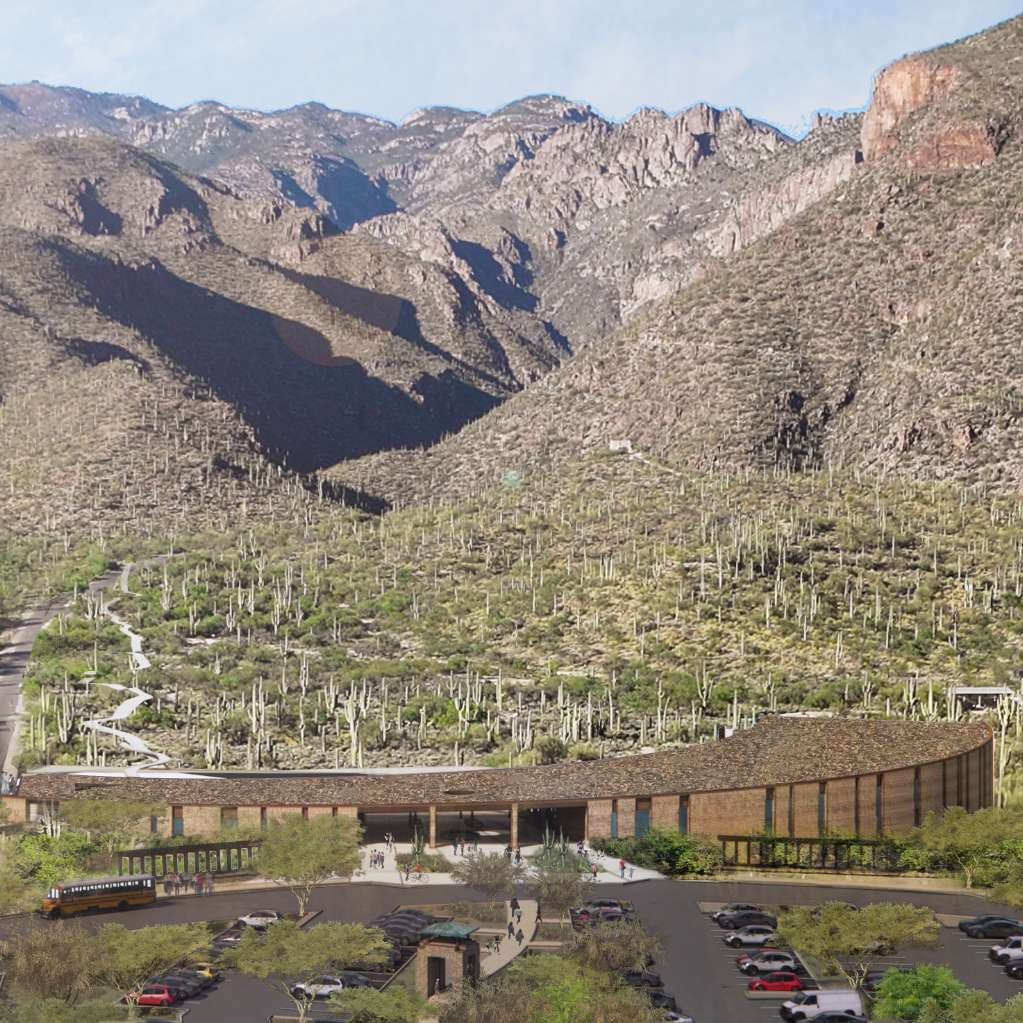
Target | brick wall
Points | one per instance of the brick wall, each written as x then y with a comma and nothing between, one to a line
868,814
804,803
782,801
461,962
841,805
738,812
664,812
321,811
249,818
626,817
930,788
201,820
598,818
276,813
898,800
951,774
976,769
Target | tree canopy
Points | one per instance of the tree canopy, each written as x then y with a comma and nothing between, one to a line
904,995
286,954
845,939
299,854
492,874
968,841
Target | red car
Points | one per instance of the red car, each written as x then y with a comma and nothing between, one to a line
157,994
780,980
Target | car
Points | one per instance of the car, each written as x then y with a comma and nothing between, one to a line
674,1016
777,980
156,994
1001,928
190,985
872,979
1014,968
976,921
625,907
767,962
839,1017
587,916
260,919
840,1003
755,934
735,907
735,921
329,984
1011,948
661,999
643,978
210,970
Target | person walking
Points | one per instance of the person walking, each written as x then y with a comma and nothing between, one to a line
518,857
539,915
168,884
513,904
594,868
461,843
511,929
519,936
209,884
200,883
621,868
454,846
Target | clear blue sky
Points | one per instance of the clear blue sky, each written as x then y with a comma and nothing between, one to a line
777,59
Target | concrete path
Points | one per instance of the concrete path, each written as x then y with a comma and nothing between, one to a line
508,947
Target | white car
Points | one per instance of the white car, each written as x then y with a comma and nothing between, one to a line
678,1017
260,919
1009,951
766,962
755,934
324,987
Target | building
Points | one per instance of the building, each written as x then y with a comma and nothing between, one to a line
799,777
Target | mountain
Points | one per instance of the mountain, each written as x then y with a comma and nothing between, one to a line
547,207
877,328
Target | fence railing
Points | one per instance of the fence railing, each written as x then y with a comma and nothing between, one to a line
876,855
207,857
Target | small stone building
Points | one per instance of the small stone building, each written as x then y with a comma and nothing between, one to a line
448,957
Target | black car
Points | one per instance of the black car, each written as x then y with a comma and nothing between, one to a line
732,921
976,921
735,907
661,999
874,977
839,1017
189,986
998,928
643,978
1014,969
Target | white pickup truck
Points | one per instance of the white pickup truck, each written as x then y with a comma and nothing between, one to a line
1009,951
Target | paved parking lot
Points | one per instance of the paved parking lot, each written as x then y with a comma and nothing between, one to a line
695,965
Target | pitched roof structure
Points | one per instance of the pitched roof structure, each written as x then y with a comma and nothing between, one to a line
777,751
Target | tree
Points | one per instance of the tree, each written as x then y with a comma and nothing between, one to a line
905,995
490,873
967,841
107,819
54,960
367,1005
614,947
17,892
287,954
299,854
559,886
845,939
125,959
550,749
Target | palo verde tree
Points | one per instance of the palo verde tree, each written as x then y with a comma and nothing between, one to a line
559,885
613,947
52,960
106,820
288,955
845,939
126,959
367,1005
299,854
968,841
492,874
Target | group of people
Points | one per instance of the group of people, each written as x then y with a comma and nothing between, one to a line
515,854
377,859
177,883
459,845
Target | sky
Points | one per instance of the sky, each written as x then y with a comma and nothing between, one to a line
778,60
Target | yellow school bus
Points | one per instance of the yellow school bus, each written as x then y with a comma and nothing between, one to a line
94,893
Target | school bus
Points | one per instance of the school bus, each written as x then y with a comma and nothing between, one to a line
95,893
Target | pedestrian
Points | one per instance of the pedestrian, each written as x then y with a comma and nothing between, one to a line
462,843
168,884
539,915
514,904
454,846
507,852
593,867
209,884
518,916
632,873
200,883
519,936
511,929
518,856
621,868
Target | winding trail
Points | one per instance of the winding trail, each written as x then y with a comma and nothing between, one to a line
14,660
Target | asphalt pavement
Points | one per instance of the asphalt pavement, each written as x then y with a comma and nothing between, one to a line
695,965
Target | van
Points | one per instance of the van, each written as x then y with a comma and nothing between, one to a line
810,1004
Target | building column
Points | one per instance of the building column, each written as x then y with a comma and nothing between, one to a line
514,815
433,826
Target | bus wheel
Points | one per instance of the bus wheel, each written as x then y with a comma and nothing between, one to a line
54,913
122,906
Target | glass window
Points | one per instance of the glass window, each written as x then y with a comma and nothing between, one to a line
642,816
879,803
683,815
229,817
769,808
177,820
822,807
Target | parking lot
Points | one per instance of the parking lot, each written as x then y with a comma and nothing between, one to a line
697,968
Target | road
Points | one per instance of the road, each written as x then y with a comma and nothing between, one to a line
697,968
14,657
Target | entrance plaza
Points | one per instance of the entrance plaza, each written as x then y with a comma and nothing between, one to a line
794,776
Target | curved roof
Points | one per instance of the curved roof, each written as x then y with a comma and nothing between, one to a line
777,751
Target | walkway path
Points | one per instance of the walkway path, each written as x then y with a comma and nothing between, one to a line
509,947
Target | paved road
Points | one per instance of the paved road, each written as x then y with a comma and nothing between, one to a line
697,968
14,657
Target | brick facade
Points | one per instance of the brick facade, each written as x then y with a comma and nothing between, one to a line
804,810
841,805
626,817
664,812
598,818
866,800
898,800
740,811
201,820
931,781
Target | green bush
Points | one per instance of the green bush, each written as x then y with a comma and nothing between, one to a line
669,852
